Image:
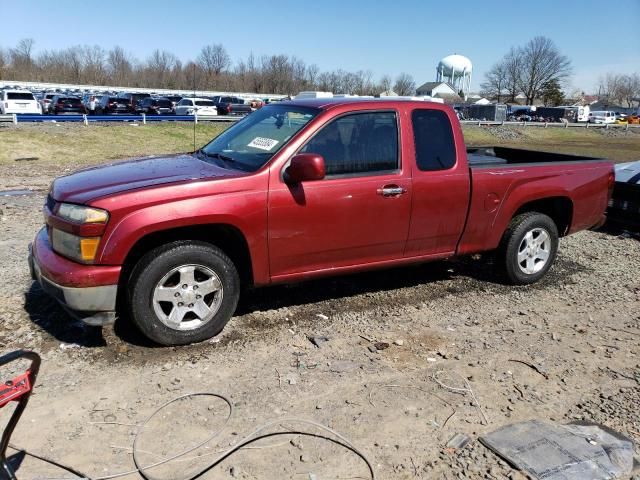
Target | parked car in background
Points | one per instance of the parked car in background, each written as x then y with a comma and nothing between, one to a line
191,106
624,205
110,105
91,101
231,105
602,117
156,106
61,104
633,119
255,104
19,102
46,101
135,99
174,100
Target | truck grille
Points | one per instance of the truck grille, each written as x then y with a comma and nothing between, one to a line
50,203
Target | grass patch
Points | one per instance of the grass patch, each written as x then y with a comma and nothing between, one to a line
63,147
614,144
69,145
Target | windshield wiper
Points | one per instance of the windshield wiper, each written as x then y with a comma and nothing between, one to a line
219,156
229,161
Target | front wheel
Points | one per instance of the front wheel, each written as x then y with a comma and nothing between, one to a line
184,292
528,248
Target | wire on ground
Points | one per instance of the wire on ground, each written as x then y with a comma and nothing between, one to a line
254,436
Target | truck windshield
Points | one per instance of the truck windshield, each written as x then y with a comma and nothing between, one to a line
251,142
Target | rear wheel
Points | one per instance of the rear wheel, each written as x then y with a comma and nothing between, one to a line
184,292
528,248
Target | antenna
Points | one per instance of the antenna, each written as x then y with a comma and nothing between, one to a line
195,112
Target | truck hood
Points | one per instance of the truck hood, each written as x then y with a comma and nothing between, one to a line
92,183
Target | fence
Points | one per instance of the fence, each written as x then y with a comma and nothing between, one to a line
624,126
144,119
86,119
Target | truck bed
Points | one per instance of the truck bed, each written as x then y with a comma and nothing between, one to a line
493,156
504,179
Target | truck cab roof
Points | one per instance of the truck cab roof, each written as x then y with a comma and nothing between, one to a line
326,103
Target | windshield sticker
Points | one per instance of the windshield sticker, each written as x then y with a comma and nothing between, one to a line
263,143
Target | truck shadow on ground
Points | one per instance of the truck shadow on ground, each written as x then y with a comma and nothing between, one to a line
360,291
47,314
617,230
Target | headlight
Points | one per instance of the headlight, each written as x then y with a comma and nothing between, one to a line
81,249
82,214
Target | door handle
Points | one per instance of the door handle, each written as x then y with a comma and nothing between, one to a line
391,191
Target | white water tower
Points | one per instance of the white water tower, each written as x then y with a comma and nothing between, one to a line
455,70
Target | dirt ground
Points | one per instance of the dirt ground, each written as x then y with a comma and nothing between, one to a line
447,321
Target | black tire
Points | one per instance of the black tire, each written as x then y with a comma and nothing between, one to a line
152,269
512,244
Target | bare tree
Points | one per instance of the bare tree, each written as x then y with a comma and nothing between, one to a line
405,85
620,89
311,75
384,85
512,65
542,62
93,59
119,66
72,58
213,60
4,62
160,65
630,91
495,81
21,58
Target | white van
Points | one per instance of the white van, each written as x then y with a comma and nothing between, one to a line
19,101
602,116
582,114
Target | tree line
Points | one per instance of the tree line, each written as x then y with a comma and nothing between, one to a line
538,69
212,69
620,89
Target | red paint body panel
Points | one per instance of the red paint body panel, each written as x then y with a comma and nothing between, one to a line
440,198
337,222
70,274
240,202
585,185
105,180
322,227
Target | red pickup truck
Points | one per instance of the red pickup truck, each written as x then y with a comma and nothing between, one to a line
298,190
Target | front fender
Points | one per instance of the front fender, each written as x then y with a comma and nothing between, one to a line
245,211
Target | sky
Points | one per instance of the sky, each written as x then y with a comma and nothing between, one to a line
380,36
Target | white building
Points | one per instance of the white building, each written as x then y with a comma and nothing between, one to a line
441,90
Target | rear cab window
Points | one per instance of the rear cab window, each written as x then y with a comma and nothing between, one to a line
433,139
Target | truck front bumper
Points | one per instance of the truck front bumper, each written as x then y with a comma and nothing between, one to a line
93,304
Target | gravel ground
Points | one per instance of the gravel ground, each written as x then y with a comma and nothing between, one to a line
505,133
619,132
580,327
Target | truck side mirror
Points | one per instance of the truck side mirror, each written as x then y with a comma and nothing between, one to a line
305,167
